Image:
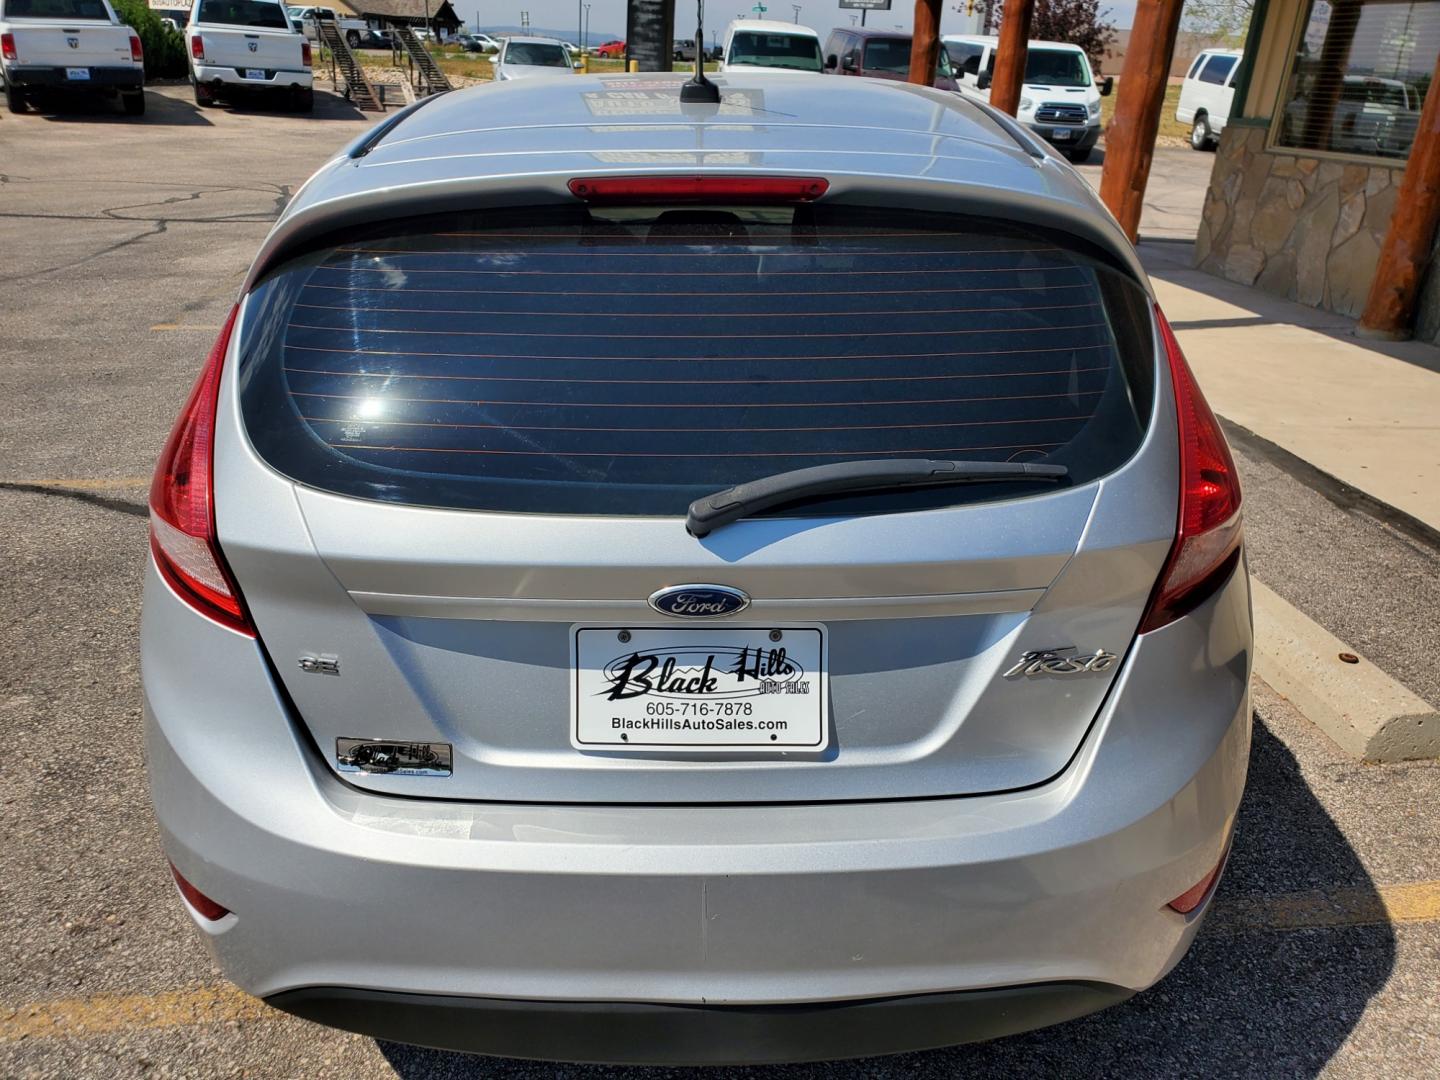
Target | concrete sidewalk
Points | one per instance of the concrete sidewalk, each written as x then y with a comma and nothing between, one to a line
1366,413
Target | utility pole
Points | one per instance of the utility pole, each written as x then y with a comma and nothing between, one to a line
585,33
796,7
579,19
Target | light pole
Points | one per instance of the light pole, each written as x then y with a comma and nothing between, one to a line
579,19
797,13
585,36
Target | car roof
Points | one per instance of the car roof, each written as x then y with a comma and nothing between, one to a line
534,41
991,39
771,26
510,141
870,32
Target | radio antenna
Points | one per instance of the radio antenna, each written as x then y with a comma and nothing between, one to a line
700,89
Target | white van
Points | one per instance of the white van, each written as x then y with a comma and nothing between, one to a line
1206,95
1060,100
763,45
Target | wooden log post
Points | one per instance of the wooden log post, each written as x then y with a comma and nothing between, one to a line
925,43
1010,53
1130,138
1410,240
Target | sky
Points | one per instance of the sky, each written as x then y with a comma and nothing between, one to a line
608,16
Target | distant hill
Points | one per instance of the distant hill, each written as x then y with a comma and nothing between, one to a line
597,37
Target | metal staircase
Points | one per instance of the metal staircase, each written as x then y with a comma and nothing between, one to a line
430,78
357,87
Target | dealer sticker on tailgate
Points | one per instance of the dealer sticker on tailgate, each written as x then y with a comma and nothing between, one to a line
712,689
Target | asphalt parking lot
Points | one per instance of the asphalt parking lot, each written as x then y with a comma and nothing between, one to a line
123,244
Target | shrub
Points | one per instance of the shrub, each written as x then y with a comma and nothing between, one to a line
164,48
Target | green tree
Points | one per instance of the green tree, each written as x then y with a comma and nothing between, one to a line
1224,20
164,48
1077,22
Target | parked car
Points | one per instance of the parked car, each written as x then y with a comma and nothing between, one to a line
769,46
879,54
533,57
69,47
245,49
1372,115
1207,94
354,30
817,577
685,50
1059,98
479,43
610,50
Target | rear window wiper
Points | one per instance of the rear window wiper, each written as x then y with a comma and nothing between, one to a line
710,512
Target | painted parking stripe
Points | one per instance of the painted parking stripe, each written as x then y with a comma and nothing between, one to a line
100,1014
1323,909
73,1018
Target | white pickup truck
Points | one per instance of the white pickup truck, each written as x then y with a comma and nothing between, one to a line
354,30
242,48
69,46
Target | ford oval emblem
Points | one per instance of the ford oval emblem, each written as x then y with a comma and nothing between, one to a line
699,601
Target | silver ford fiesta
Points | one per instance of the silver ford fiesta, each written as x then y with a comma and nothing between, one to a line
650,581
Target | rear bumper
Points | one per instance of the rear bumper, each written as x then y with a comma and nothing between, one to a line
55,78
233,80
642,1034
1019,895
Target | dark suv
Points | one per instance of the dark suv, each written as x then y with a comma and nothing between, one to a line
879,54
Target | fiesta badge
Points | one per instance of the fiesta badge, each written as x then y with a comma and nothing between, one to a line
699,601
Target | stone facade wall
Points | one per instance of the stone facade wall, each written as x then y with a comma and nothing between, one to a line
1308,229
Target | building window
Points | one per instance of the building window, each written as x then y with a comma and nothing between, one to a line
1359,76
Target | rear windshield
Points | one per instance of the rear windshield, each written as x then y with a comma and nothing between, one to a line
628,361
55,9
243,13
756,49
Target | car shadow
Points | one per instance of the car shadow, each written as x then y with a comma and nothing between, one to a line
159,109
1243,1003
328,106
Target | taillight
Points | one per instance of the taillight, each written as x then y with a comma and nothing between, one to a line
1207,536
197,47
198,900
137,51
7,46
182,504
305,53
706,189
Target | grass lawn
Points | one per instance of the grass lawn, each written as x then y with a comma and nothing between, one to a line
1169,127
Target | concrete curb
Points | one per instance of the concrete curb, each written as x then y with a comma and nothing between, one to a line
1364,710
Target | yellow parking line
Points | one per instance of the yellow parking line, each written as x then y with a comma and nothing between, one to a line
1327,909
100,1014
185,326
114,483
103,1013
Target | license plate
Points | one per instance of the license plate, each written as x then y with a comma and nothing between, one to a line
77,74
711,689
254,73
1060,133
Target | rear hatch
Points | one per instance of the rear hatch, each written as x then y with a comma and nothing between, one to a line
469,443
248,34
66,33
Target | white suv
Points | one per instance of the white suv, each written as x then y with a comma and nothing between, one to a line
1206,95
